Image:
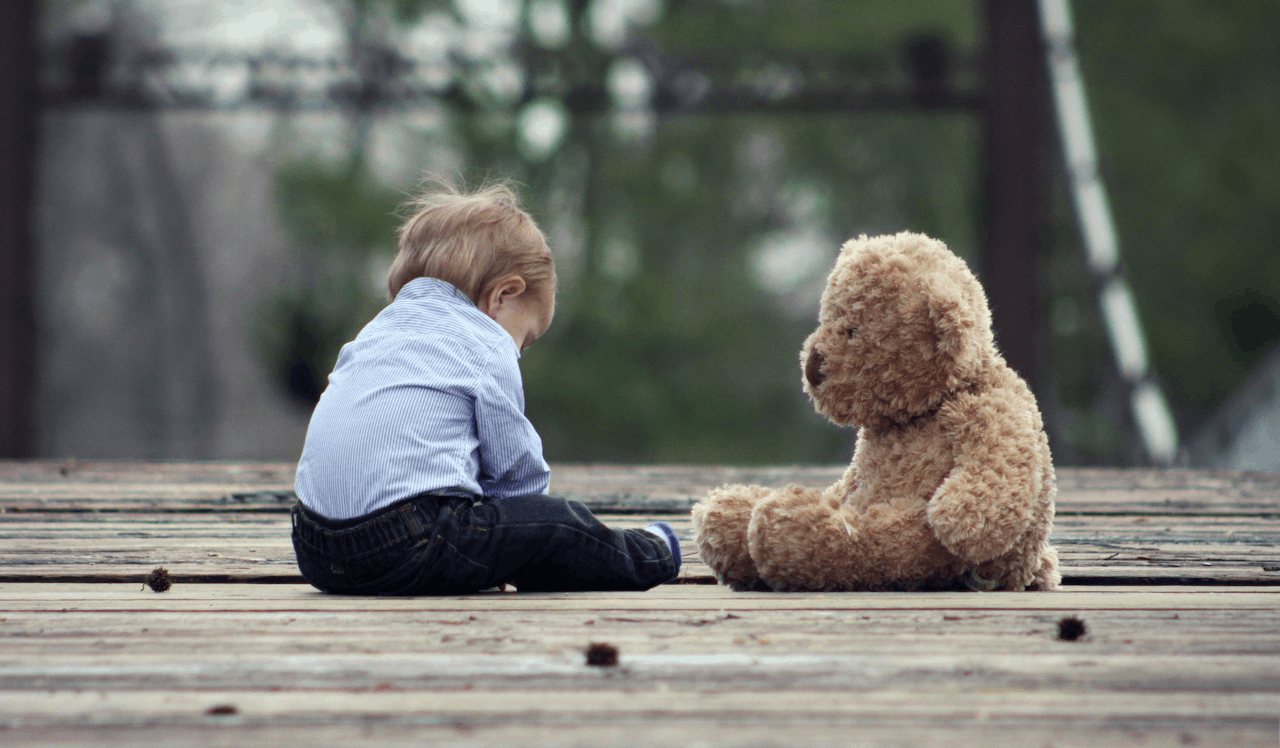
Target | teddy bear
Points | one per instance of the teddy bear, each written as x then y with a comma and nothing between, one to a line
951,485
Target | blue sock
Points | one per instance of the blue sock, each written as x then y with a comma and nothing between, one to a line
664,531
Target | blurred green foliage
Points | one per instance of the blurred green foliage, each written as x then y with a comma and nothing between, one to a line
672,345
689,360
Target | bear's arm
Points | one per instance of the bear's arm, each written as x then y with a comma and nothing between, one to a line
843,489
987,500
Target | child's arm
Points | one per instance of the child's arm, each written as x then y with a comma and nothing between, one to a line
511,461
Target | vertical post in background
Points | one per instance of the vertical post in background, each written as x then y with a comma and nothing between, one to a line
18,114
1014,124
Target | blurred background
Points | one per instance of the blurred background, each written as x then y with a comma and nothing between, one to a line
198,202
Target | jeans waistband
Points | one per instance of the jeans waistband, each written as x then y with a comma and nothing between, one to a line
405,518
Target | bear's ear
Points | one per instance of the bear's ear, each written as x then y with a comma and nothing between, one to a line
954,325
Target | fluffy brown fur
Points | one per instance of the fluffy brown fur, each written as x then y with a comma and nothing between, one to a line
951,483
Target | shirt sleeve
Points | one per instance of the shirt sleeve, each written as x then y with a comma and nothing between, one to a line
511,461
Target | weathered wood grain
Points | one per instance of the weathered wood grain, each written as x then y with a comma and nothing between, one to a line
56,472
976,729
115,664
701,655
140,707
228,546
757,669
694,572
51,644
70,597
267,487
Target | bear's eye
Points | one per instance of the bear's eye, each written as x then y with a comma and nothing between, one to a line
851,332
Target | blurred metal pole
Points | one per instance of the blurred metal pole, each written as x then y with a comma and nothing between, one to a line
18,97
1151,413
1015,123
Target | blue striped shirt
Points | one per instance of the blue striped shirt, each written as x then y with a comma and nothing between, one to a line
428,397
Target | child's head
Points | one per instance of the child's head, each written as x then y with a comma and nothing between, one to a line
475,241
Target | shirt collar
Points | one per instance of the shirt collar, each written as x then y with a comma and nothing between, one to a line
424,288
434,288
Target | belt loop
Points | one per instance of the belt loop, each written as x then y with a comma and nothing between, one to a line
410,515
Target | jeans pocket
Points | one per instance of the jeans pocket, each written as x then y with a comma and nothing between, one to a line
369,573
430,550
321,570
448,572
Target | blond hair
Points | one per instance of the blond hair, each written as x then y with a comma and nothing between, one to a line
472,240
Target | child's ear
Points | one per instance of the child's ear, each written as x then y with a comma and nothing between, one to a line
503,291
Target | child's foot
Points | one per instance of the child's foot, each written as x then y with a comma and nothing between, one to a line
664,531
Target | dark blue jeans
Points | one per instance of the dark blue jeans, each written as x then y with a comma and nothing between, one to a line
447,545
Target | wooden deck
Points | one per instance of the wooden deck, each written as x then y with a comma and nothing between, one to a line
1176,575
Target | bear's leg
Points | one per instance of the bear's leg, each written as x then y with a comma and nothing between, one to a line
720,531
800,541
1047,576
803,540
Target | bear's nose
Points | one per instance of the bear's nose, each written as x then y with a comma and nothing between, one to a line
813,369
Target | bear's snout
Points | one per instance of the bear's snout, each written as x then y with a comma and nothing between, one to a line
813,369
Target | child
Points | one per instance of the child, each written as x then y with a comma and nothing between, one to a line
420,473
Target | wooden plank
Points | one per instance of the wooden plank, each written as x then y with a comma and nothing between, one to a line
1150,663
766,667
624,718
56,472
1079,731
110,664
52,644
119,547
194,598
1128,526
138,707
126,485
224,547
694,572
267,487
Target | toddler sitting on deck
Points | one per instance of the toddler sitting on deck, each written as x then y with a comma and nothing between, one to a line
420,473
